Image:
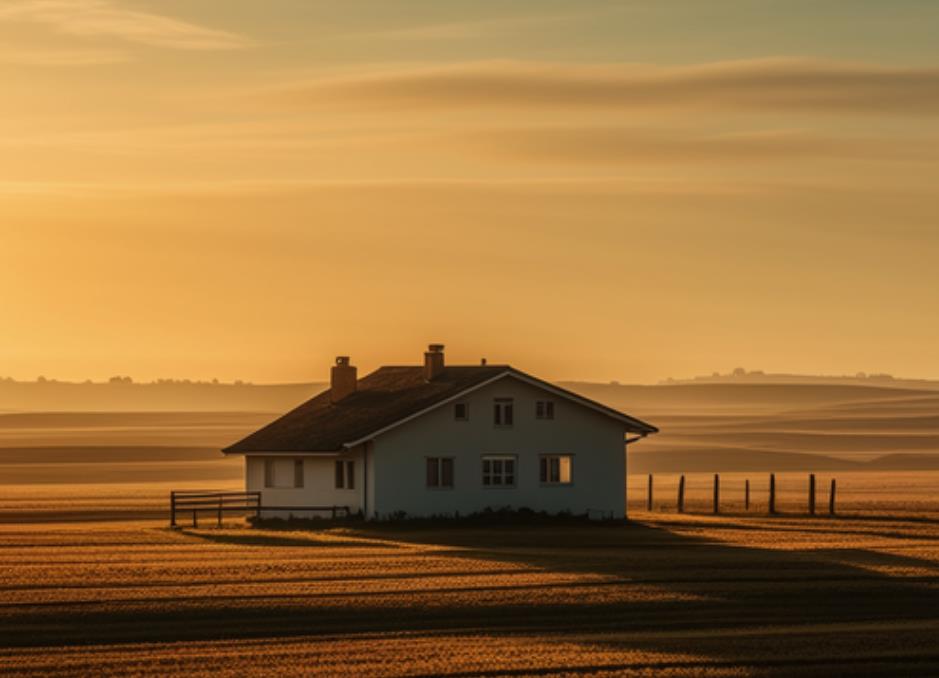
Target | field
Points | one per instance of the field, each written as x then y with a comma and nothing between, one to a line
92,581
665,595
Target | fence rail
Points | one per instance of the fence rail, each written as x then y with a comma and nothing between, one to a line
715,504
194,502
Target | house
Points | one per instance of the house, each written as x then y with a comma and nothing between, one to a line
437,439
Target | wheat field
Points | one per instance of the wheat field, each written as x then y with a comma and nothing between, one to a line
664,595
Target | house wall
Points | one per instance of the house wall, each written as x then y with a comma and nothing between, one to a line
319,487
595,440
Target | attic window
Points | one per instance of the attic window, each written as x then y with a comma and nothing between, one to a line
461,412
544,409
503,412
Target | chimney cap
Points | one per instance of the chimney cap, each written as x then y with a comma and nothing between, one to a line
342,360
435,348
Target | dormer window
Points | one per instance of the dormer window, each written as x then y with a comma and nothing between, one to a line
544,409
461,412
503,412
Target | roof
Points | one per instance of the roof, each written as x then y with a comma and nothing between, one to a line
384,399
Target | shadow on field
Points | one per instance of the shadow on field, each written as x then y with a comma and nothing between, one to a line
250,538
719,604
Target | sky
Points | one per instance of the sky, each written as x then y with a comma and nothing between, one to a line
244,189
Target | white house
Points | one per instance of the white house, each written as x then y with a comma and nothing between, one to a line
438,439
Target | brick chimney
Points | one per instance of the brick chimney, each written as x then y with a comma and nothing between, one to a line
343,379
433,361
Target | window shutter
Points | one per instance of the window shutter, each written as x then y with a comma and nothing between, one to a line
539,409
298,473
446,472
544,469
350,475
497,414
509,413
268,473
339,478
549,409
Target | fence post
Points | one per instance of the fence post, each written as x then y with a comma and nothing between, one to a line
746,494
220,512
811,494
717,493
172,509
649,498
195,518
772,493
831,498
681,494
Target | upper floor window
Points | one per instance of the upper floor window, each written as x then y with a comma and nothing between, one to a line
345,475
440,472
544,409
503,413
556,469
461,411
499,470
283,473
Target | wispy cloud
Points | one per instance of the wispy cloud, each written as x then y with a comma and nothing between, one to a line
625,145
88,18
72,57
767,85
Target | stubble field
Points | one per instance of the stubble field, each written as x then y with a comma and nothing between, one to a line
665,595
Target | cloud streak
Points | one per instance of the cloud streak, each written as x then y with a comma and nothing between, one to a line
765,85
104,18
83,57
625,145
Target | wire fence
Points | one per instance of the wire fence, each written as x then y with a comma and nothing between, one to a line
896,492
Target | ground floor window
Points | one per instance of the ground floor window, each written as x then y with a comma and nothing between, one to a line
556,469
440,472
499,470
345,475
283,473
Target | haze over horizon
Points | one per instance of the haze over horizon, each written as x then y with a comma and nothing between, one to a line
586,190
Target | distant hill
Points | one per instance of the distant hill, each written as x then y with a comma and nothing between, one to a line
704,427
742,376
165,396
771,462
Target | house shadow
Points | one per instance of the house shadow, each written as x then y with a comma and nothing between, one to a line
689,601
255,538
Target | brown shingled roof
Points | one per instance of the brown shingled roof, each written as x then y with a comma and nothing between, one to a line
383,398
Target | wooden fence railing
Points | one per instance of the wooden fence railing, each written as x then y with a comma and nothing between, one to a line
771,502
196,502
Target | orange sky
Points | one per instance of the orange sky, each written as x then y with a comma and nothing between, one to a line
623,191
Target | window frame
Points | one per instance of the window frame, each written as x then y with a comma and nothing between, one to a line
544,469
503,474
344,474
544,410
295,478
503,412
440,462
